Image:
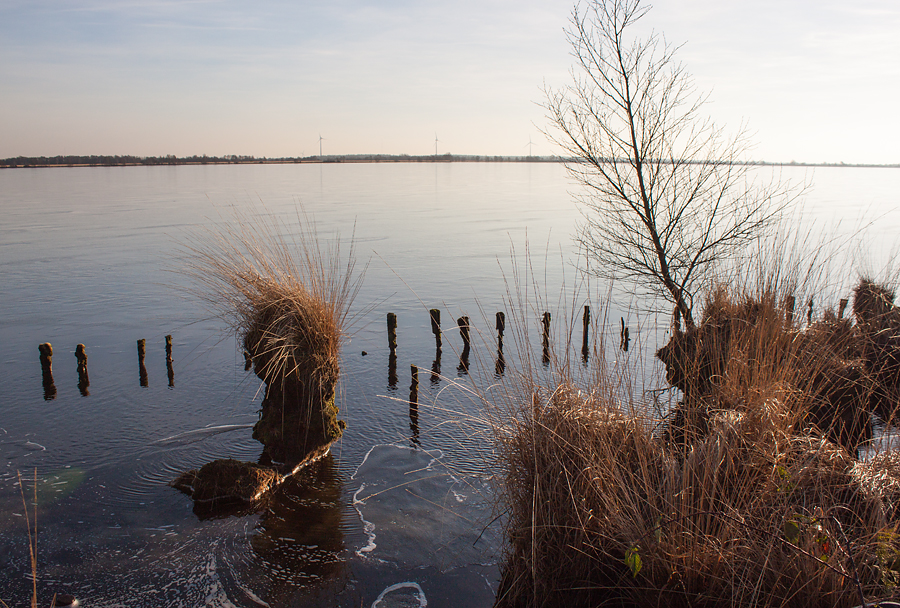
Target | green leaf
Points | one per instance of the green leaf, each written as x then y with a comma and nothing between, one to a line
633,561
792,531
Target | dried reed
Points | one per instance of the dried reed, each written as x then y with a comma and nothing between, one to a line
754,502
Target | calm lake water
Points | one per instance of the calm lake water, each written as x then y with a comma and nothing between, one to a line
395,516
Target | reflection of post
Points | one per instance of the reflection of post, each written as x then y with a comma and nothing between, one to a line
392,331
170,371
142,352
436,366
392,371
586,324
46,350
83,381
463,324
500,365
545,339
435,315
414,403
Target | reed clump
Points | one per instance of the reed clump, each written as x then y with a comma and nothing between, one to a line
749,493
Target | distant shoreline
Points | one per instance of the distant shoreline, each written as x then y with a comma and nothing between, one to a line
27,162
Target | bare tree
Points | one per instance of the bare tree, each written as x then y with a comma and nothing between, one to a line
666,194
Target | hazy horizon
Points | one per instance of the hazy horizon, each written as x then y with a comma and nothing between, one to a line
813,81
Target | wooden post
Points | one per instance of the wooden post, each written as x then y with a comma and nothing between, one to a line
392,331
624,339
789,304
809,311
142,352
83,381
46,351
842,308
463,324
586,324
545,338
170,371
501,324
435,315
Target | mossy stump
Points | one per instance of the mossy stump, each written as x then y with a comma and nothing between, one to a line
294,351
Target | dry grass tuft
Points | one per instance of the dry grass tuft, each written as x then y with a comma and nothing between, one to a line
749,494
287,296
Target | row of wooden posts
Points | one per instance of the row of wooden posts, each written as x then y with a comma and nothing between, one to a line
464,329
84,382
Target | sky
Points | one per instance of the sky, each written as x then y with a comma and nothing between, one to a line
811,80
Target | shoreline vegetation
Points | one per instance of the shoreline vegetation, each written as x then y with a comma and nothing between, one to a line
31,162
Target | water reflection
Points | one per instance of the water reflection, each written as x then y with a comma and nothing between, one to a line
83,380
436,367
299,534
170,371
414,404
142,369
392,372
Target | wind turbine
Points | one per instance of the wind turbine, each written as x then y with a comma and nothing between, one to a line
435,144
529,145
320,145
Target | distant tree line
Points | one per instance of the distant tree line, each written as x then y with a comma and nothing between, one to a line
170,159
118,161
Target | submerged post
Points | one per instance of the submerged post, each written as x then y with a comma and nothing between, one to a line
392,331
170,371
142,352
545,338
586,324
83,381
46,351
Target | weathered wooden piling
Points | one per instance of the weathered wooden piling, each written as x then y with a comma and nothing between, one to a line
463,324
414,403
435,316
624,338
842,308
585,328
789,304
170,370
46,353
392,331
142,353
545,338
809,311
501,324
83,380
248,361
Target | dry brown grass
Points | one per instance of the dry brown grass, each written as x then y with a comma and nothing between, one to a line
754,503
287,297
285,294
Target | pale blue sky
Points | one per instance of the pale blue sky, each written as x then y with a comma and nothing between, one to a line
815,80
